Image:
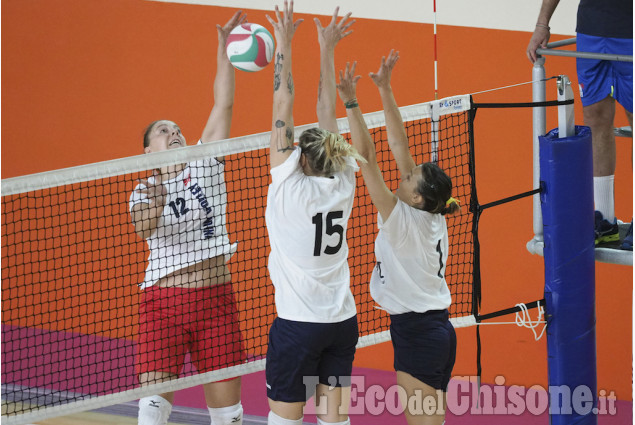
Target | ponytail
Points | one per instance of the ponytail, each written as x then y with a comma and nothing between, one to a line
436,189
451,206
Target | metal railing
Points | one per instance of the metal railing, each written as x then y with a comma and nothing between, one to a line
586,55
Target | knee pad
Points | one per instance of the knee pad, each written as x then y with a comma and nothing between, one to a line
231,415
154,410
274,419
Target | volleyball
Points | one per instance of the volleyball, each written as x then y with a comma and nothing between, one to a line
250,47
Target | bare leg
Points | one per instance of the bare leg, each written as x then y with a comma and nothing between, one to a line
158,377
337,402
222,394
292,411
223,402
416,388
599,117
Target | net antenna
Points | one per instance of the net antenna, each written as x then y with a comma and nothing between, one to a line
436,83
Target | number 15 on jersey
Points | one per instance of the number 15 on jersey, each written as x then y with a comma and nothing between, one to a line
326,226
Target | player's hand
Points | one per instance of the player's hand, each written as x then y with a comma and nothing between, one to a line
223,31
347,88
154,189
382,77
330,35
284,28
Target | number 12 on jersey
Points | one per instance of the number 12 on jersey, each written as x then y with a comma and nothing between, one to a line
330,229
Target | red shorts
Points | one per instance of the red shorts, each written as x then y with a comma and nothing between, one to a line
174,321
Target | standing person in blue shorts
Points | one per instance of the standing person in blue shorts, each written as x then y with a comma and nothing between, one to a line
603,26
312,341
411,251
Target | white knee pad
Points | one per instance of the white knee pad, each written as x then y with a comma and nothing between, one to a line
274,419
346,422
154,410
231,415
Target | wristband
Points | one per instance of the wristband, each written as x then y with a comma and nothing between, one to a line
544,26
351,104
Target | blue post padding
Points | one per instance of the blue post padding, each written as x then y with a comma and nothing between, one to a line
566,174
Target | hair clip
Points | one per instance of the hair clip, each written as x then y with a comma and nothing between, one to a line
451,200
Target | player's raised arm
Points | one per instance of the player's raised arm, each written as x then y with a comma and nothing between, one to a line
283,91
382,197
328,37
220,118
397,138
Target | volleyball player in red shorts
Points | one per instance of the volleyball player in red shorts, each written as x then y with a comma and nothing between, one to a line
187,303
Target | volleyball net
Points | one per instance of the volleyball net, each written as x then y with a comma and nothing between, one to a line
72,263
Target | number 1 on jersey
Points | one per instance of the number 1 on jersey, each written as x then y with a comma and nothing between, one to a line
330,229
440,251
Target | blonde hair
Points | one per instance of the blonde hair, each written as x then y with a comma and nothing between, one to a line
325,151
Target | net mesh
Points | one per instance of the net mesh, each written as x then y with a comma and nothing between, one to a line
71,265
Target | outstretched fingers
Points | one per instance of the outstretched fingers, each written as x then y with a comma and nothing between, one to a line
283,25
382,77
334,17
351,70
348,82
392,59
334,31
344,26
237,19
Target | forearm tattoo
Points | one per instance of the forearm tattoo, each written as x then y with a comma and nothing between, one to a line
288,136
277,69
320,87
290,83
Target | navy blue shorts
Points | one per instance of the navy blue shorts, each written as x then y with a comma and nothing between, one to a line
425,346
302,353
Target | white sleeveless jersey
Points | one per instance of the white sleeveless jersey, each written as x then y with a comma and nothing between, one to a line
306,219
411,251
192,227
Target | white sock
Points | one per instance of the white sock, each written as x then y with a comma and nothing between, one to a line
346,422
154,410
230,415
603,195
274,419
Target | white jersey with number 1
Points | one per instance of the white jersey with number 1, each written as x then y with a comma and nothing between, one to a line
412,251
306,219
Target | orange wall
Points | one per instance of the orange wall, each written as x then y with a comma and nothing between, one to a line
82,78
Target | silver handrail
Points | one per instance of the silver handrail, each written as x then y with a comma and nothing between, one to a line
549,51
